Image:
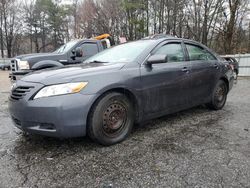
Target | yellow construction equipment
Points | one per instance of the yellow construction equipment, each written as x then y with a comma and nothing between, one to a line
103,36
106,40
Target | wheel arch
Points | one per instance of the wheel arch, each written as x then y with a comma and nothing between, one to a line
224,79
46,64
128,93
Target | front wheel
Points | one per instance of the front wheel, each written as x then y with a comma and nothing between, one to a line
111,119
219,96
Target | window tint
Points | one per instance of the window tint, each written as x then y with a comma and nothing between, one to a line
198,53
173,51
89,49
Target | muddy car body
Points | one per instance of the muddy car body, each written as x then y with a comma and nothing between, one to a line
112,90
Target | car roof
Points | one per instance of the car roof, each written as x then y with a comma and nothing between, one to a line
159,36
163,38
85,40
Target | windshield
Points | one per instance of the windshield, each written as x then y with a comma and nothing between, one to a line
122,53
66,47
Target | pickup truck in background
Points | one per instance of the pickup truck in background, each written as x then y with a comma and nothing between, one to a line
73,52
4,65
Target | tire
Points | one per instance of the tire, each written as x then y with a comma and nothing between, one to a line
219,96
111,119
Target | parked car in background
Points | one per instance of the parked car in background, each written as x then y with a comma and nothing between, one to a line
110,91
73,52
2,66
5,65
234,63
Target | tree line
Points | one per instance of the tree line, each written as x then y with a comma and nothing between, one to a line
44,25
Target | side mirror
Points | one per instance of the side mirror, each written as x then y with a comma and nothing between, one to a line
78,52
158,58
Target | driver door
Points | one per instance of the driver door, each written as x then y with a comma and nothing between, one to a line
88,49
166,86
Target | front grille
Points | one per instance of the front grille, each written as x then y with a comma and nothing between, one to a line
13,65
20,92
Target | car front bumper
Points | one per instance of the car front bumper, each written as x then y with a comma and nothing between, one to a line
59,116
14,76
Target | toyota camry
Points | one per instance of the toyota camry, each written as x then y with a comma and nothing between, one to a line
130,83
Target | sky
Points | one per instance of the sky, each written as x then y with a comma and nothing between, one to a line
67,1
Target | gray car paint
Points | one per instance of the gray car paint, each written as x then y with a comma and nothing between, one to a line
156,90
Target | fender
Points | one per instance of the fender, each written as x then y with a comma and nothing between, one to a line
131,93
46,64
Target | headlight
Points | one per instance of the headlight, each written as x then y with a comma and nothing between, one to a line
23,65
60,89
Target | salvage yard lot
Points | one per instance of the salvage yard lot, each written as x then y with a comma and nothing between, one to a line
196,147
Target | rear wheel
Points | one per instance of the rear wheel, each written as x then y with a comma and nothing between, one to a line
219,96
111,119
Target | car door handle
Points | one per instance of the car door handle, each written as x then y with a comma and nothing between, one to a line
185,69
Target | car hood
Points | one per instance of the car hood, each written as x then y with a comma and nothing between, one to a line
69,73
27,57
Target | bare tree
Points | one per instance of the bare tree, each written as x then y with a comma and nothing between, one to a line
10,23
1,30
46,23
230,27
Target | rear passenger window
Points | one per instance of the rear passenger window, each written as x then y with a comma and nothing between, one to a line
174,52
198,53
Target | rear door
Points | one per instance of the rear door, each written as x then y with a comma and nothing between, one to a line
204,72
165,86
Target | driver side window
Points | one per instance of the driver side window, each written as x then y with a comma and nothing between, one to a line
173,51
89,49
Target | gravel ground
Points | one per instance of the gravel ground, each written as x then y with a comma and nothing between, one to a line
193,148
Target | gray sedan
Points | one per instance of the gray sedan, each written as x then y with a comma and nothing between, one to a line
127,84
